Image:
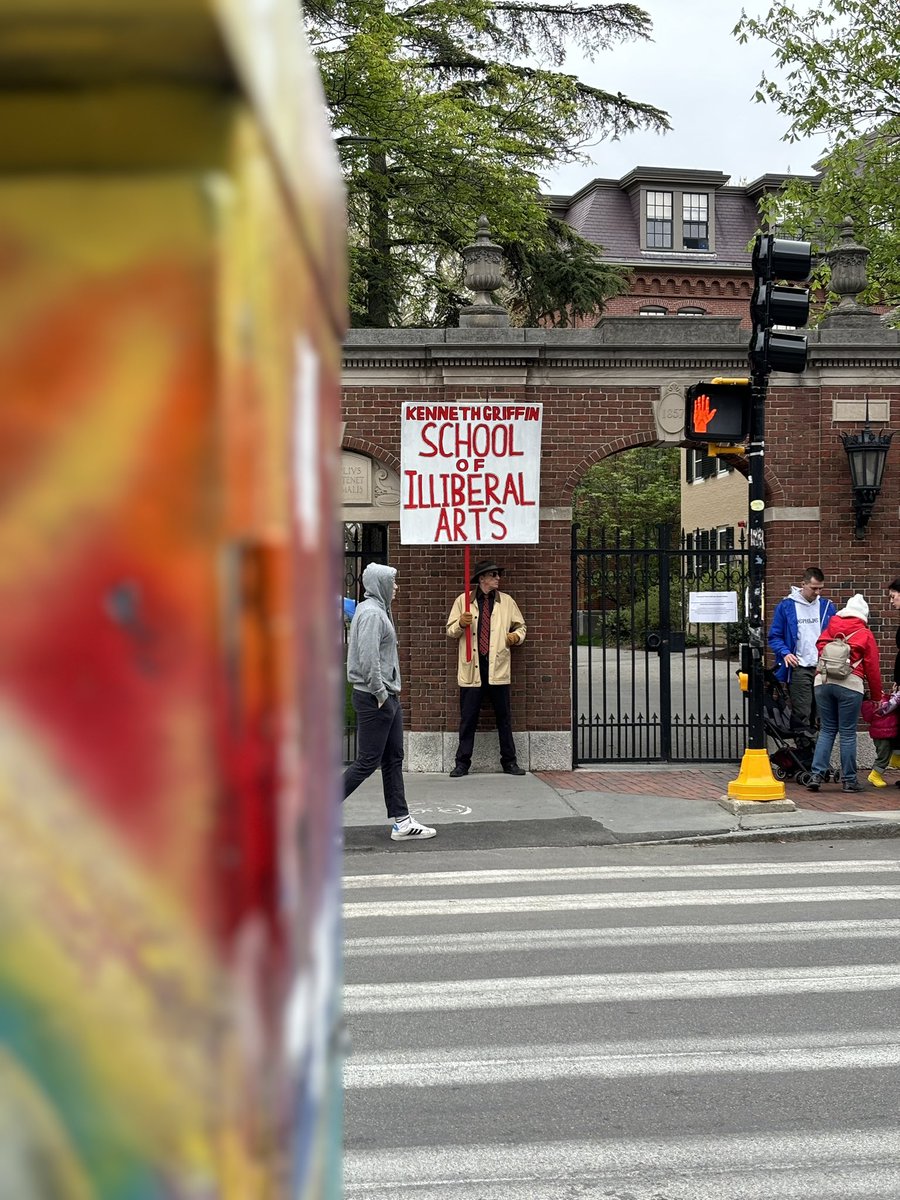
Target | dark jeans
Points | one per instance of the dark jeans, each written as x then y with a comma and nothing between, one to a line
379,743
838,713
470,699
801,690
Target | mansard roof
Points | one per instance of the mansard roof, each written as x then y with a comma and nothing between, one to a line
608,213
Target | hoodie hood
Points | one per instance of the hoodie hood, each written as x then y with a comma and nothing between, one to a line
855,607
798,598
378,581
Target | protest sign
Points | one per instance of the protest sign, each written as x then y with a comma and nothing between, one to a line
470,473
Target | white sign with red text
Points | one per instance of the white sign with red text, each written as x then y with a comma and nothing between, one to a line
470,473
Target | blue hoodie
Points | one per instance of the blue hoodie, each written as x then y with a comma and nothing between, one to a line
784,630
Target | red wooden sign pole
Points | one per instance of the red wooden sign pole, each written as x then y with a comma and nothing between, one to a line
468,627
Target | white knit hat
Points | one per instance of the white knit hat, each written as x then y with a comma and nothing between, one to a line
856,607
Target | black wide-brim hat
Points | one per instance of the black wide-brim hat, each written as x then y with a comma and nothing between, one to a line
482,568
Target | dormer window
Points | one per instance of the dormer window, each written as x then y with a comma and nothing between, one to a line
659,220
695,220
661,231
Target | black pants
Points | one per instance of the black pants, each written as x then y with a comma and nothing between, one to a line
802,692
470,699
379,743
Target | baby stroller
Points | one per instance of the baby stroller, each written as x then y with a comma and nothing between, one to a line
793,754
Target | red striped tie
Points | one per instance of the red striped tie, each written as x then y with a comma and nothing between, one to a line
484,629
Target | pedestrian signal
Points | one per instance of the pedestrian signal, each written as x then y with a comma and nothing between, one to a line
773,307
718,412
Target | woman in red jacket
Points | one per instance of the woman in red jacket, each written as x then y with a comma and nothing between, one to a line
839,700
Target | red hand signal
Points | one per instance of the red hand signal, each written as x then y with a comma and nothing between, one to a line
703,414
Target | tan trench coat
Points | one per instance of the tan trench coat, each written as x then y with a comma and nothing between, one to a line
506,618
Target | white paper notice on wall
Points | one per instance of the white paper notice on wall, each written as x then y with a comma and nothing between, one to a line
712,608
470,473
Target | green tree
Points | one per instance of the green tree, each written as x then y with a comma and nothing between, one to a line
446,109
628,495
841,79
632,492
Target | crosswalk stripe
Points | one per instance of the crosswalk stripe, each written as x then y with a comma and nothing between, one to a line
453,906
466,994
572,874
497,1065
845,1165
509,940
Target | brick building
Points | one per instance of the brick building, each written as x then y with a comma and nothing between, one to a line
683,233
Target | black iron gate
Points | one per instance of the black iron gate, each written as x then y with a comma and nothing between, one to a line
364,543
647,683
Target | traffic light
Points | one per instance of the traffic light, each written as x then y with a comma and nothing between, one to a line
718,412
772,305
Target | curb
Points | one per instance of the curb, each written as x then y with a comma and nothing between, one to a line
584,831
811,833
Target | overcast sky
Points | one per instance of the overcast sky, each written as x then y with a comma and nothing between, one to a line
704,79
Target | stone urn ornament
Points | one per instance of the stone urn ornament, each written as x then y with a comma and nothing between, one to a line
483,275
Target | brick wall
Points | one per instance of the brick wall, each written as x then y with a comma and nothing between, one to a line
720,295
807,466
591,413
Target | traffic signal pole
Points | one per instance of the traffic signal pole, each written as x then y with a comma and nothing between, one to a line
772,307
755,781
757,574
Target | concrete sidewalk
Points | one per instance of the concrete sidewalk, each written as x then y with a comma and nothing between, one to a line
613,806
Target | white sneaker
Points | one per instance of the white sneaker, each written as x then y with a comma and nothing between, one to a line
409,829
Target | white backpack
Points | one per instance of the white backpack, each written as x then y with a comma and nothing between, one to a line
834,660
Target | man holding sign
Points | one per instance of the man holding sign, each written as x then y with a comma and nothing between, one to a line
498,625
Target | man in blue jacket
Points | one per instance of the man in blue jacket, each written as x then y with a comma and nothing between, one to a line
796,624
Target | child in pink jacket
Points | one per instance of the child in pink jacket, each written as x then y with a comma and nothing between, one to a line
883,731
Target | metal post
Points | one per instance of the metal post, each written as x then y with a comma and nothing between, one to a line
665,657
755,781
757,573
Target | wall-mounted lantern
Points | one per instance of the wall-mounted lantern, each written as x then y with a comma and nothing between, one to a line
866,453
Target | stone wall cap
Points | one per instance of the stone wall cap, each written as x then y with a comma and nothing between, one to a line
687,337
395,337
856,333
484,335
671,331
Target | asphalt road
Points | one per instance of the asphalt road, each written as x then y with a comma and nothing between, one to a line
657,1023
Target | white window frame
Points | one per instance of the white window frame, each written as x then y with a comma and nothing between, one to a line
662,202
695,208
675,203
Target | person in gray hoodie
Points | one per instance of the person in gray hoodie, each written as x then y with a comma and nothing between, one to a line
373,668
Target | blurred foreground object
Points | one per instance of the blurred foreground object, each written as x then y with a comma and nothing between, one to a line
172,303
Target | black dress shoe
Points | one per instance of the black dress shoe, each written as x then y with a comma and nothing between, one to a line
458,772
513,769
